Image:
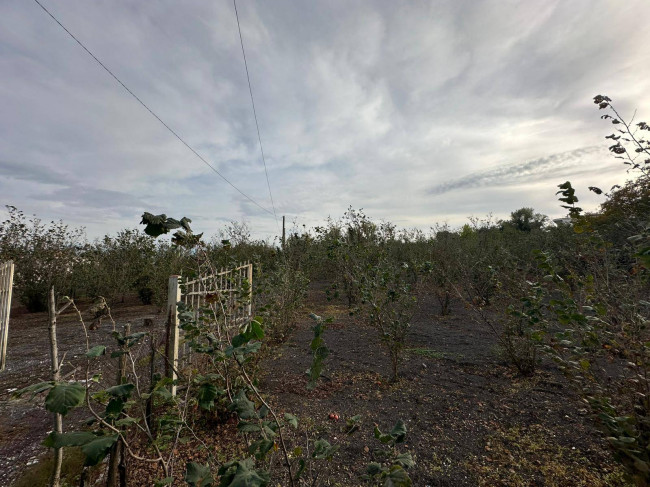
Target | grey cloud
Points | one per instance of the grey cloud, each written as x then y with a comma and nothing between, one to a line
533,170
85,197
30,172
362,103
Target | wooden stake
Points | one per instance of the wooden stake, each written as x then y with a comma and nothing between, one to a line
55,479
6,286
174,296
116,450
152,370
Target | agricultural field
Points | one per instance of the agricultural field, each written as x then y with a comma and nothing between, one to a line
503,353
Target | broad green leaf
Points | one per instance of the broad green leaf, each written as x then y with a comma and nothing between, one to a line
96,351
121,391
242,474
206,395
246,427
399,431
97,449
74,438
126,421
291,419
63,397
244,407
257,330
114,407
397,477
373,468
34,389
261,447
323,449
405,460
198,475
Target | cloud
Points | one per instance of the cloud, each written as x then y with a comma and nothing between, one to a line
27,172
369,104
530,171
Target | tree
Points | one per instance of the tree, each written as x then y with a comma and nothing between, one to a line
45,255
526,220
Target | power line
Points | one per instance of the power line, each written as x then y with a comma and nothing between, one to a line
156,116
257,125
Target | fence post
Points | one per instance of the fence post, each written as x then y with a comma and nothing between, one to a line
116,453
55,478
250,287
6,286
173,297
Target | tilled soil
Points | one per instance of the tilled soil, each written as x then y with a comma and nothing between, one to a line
472,421
25,423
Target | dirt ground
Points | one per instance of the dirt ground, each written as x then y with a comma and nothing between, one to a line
472,421
24,423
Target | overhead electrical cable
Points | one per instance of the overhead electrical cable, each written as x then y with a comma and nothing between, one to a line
156,116
257,125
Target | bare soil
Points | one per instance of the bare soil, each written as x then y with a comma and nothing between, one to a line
472,420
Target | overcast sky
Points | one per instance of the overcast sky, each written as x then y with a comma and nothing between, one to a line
418,112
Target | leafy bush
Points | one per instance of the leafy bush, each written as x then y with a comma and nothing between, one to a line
45,255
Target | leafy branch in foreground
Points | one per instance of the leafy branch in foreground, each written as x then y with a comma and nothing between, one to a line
390,467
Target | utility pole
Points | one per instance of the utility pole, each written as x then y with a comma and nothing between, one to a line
283,234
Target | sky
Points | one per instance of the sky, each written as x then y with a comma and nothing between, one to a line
418,112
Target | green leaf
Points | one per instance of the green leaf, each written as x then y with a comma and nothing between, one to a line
96,351
114,407
97,449
34,389
321,353
291,419
206,395
383,437
399,431
242,474
257,330
244,407
261,447
239,340
246,427
63,397
126,421
122,391
198,475
405,460
323,449
373,468
397,477
74,438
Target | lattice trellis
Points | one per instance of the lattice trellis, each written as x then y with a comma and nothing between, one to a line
226,286
230,289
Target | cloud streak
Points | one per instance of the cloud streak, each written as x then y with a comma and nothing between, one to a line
530,171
